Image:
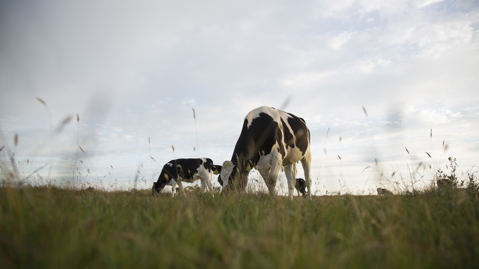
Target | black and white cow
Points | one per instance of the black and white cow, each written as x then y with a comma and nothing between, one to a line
270,138
187,170
300,186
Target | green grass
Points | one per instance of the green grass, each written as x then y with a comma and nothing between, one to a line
51,227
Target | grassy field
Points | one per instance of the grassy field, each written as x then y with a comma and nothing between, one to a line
50,227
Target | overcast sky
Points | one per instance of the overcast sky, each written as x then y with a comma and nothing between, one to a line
133,70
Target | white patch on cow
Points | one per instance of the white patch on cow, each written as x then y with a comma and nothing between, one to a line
285,116
274,113
170,164
293,155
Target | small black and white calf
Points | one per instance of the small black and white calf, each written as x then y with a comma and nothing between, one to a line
270,138
300,186
185,170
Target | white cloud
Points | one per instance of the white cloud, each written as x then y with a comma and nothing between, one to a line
332,9
189,102
338,41
424,3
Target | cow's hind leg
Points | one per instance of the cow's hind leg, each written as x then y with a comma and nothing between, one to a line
290,172
203,186
306,162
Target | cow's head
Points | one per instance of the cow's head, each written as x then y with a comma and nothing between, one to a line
163,180
226,172
233,177
155,189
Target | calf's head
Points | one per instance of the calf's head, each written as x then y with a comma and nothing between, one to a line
301,186
163,180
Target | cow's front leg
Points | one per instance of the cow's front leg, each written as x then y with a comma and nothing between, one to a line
173,185
181,188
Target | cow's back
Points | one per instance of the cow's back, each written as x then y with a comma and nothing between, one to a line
259,134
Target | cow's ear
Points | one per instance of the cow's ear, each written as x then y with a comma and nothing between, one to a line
216,169
249,167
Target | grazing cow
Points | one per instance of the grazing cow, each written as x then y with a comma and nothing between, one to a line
187,170
300,186
270,138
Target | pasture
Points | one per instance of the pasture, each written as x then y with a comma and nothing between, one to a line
51,227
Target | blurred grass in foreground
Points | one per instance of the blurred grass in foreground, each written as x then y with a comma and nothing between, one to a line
50,227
